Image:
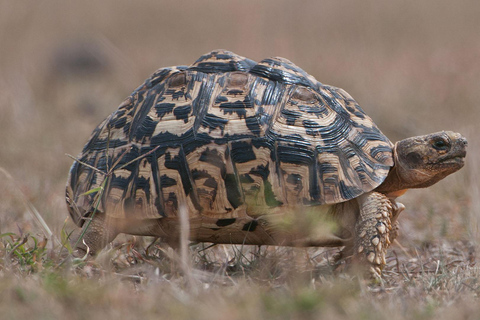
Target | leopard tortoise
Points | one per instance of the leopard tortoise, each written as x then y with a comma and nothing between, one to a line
239,144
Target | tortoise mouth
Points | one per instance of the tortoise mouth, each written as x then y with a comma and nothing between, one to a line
454,159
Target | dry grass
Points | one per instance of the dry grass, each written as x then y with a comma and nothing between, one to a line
413,66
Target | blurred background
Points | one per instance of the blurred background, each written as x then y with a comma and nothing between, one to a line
413,66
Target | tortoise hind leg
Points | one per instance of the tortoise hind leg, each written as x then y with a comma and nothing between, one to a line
96,235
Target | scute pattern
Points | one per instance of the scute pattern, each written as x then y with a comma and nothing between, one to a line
228,137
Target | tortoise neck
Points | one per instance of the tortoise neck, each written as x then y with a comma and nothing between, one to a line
394,185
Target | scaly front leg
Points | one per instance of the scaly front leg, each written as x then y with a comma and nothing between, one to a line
372,231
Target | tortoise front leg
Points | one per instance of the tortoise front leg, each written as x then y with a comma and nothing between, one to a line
372,231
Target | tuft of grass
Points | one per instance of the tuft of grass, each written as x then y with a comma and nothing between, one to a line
22,252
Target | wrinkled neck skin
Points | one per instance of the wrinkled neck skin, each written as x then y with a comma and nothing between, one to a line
393,186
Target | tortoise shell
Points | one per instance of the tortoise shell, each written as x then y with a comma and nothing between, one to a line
228,136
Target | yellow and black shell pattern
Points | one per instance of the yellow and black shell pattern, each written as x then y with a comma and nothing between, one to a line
226,137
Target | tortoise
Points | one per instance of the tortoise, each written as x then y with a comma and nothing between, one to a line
238,148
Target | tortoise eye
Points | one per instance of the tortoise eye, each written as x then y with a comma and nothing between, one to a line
441,144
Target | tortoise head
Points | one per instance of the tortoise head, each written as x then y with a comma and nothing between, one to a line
424,160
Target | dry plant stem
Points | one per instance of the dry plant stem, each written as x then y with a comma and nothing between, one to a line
85,164
31,209
398,244
184,237
147,250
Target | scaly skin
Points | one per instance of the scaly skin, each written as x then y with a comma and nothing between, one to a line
373,231
97,235
375,209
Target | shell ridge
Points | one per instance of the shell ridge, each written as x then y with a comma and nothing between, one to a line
220,61
200,103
